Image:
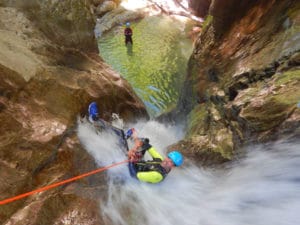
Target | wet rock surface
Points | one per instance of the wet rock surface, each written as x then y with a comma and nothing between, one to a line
47,80
245,70
242,87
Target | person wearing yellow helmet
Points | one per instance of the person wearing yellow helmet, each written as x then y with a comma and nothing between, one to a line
155,170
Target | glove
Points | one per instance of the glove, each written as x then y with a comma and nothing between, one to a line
145,146
129,133
134,156
145,140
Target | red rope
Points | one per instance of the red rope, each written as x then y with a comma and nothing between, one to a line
8,200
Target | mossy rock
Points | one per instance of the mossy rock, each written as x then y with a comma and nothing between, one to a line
197,121
267,112
208,20
202,150
287,77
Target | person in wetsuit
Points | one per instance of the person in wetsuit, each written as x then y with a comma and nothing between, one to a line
128,34
155,170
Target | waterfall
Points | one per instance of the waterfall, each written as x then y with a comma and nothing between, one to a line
262,188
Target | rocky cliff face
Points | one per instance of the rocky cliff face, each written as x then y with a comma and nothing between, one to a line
49,73
243,79
199,7
242,86
67,22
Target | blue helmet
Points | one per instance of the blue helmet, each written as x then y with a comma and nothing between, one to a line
127,24
176,157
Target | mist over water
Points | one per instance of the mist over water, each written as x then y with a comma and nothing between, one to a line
263,188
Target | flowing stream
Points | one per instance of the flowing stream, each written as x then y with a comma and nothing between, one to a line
155,64
262,188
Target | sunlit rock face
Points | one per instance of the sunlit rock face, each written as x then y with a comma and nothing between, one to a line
226,13
116,13
243,77
49,73
66,22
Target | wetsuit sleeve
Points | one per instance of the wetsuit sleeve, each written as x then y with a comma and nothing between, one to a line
153,152
145,147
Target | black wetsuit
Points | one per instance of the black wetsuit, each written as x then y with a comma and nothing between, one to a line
128,35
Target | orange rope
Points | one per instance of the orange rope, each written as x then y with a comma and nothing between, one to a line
8,200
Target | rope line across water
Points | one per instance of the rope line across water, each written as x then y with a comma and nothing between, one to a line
12,199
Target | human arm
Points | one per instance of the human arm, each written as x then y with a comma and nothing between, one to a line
134,154
141,145
154,153
137,152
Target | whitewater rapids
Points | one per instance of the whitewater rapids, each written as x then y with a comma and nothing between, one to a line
262,188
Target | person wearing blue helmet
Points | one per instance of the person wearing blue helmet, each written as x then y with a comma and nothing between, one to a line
128,34
155,170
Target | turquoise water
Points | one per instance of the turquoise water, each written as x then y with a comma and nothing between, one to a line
155,65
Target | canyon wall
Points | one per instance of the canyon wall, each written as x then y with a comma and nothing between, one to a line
243,84
50,71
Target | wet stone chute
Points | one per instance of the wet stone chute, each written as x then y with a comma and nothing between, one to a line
244,193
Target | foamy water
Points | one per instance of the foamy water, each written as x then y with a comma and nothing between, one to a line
261,189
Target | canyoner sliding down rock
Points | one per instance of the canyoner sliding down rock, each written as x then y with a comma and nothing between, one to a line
194,120
244,183
151,171
147,171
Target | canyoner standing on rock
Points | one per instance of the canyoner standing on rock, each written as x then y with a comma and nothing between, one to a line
128,34
155,170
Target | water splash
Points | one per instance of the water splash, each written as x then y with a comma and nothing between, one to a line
263,188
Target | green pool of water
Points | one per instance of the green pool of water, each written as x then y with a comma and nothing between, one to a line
155,65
